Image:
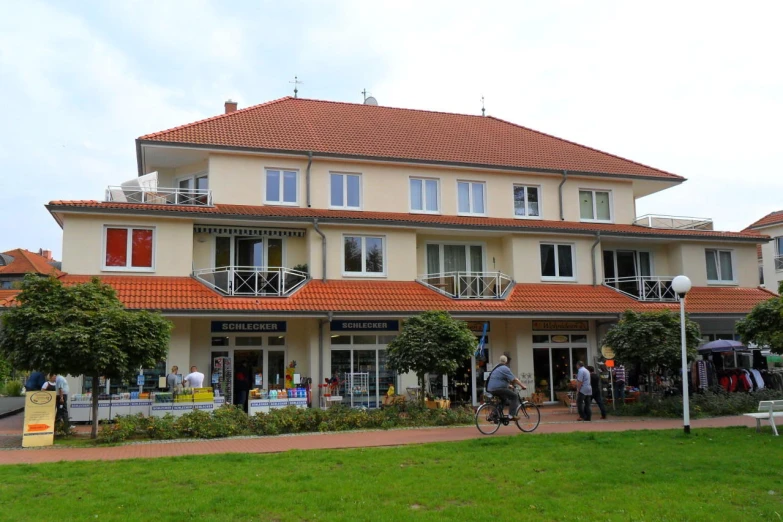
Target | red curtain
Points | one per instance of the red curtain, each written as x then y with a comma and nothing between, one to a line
116,247
141,254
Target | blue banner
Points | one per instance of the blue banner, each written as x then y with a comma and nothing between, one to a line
248,326
365,325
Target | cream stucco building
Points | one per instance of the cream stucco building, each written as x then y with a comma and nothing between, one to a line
308,230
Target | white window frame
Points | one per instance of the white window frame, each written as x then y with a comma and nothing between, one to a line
233,248
467,244
470,197
637,260
345,191
364,272
423,195
717,251
595,210
129,250
557,277
192,178
540,202
281,189
777,257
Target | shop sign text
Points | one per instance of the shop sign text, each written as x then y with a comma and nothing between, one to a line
559,326
365,326
248,326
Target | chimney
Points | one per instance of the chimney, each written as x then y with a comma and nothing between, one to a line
47,254
231,106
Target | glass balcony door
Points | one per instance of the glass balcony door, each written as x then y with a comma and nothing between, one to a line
447,258
256,253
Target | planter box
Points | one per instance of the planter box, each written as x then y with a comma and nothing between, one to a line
397,399
537,398
438,405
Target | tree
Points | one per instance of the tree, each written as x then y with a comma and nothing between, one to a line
431,342
763,326
80,330
651,340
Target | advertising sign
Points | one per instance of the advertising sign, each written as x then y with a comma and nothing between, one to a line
365,325
39,414
248,326
556,326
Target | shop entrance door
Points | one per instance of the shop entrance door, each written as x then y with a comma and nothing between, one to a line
247,364
554,361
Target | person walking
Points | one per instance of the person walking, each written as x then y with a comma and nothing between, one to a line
62,389
585,394
598,396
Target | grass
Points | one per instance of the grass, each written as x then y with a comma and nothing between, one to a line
713,474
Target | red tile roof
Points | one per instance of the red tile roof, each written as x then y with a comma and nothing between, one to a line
179,294
26,262
386,133
773,218
396,218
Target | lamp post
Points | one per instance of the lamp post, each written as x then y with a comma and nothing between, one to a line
681,286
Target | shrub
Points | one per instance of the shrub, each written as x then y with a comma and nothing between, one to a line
709,403
123,427
159,428
13,388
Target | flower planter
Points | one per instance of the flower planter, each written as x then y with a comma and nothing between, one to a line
438,404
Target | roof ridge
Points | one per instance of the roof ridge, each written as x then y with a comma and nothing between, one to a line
378,107
216,117
585,147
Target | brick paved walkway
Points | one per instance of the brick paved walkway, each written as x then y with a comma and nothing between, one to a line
554,420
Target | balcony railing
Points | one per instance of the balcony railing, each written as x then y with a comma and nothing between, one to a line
644,288
674,222
469,285
160,196
252,280
778,263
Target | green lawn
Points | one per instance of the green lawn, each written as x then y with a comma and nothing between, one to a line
714,474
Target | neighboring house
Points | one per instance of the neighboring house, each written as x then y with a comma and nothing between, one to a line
14,264
394,212
771,253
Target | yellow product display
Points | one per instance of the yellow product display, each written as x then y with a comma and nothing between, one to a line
183,398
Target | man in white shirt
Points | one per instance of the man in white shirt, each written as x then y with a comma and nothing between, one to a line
62,389
195,379
585,395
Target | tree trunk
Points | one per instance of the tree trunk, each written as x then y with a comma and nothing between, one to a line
422,395
95,393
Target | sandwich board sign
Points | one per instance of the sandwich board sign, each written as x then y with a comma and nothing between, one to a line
39,413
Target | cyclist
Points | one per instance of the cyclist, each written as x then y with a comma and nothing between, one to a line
501,383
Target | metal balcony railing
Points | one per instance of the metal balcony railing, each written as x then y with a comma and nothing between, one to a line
160,196
252,280
778,263
674,222
469,285
644,288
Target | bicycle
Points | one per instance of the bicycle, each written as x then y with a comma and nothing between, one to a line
489,415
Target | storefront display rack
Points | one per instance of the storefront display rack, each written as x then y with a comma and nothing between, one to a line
357,390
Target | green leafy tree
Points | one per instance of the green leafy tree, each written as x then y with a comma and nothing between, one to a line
80,330
432,342
651,340
763,326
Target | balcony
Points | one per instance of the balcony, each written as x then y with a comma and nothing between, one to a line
469,285
252,281
644,288
159,196
673,222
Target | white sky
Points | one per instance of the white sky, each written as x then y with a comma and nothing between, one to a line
694,88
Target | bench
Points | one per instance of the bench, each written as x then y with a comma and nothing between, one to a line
768,410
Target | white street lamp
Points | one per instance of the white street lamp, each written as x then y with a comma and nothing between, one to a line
681,286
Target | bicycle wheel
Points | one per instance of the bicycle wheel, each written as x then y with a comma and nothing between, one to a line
529,417
487,419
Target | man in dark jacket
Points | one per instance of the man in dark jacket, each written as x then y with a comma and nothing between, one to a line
35,381
598,396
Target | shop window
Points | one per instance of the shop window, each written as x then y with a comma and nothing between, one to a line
341,339
220,341
579,338
540,339
386,339
128,248
364,339
250,341
276,341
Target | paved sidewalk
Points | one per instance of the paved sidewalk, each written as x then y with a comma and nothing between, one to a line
10,405
553,421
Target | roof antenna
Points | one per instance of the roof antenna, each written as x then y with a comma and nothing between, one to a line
364,93
482,105
296,83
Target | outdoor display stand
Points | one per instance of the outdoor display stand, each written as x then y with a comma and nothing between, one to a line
357,390
80,408
223,377
266,405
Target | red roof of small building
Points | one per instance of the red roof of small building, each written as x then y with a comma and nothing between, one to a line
386,133
773,218
26,262
396,218
180,294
